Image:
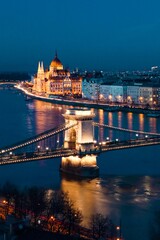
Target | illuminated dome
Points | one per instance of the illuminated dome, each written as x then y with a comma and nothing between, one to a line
56,63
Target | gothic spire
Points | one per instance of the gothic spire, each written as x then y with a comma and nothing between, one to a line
42,68
39,67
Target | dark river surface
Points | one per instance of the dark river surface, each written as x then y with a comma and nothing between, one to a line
128,189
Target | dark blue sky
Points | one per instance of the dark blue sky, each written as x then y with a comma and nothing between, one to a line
89,34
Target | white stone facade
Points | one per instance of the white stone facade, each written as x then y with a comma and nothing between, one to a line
112,93
131,94
91,88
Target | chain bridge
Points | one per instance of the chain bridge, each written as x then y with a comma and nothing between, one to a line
76,142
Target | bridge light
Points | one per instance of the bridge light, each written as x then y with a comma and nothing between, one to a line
38,147
3,151
10,153
137,135
47,148
117,139
118,227
107,138
146,136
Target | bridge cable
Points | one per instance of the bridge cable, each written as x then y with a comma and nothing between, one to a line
37,138
125,129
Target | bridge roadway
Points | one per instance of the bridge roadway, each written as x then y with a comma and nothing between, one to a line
104,147
35,156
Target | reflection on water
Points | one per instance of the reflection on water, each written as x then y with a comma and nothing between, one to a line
141,122
153,124
122,198
119,119
45,114
110,122
101,121
130,120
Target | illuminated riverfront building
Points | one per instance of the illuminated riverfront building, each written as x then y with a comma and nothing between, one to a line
56,81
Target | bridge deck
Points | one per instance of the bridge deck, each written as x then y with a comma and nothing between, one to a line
110,146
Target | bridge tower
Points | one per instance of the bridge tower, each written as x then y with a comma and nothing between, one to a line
81,138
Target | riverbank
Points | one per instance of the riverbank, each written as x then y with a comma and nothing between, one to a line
92,104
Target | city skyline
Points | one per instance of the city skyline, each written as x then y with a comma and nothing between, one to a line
90,35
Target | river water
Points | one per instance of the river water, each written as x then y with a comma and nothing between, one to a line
128,189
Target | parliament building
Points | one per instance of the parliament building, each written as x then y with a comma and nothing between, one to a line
56,81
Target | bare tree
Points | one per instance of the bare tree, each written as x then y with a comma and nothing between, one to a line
60,206
36,201
102,226
73,217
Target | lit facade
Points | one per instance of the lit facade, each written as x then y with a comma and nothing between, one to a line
56,81
112,93
130,94
91,88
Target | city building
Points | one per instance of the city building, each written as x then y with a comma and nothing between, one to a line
112,93
91,86
138,93
56,81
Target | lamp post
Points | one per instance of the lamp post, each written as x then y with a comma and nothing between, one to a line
10,154
38,147
146,136
58,143
47,148
94,141
119,232
51,221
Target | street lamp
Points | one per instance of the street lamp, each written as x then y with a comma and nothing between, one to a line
38,147
118,228
51,220
58,143
47,148
94,141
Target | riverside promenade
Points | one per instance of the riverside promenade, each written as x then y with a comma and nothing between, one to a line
111,107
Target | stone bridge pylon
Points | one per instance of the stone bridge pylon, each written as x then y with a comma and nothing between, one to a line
81,138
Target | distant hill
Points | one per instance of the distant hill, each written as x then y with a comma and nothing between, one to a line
14,76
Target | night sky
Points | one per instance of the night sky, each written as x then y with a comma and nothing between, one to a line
107,35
